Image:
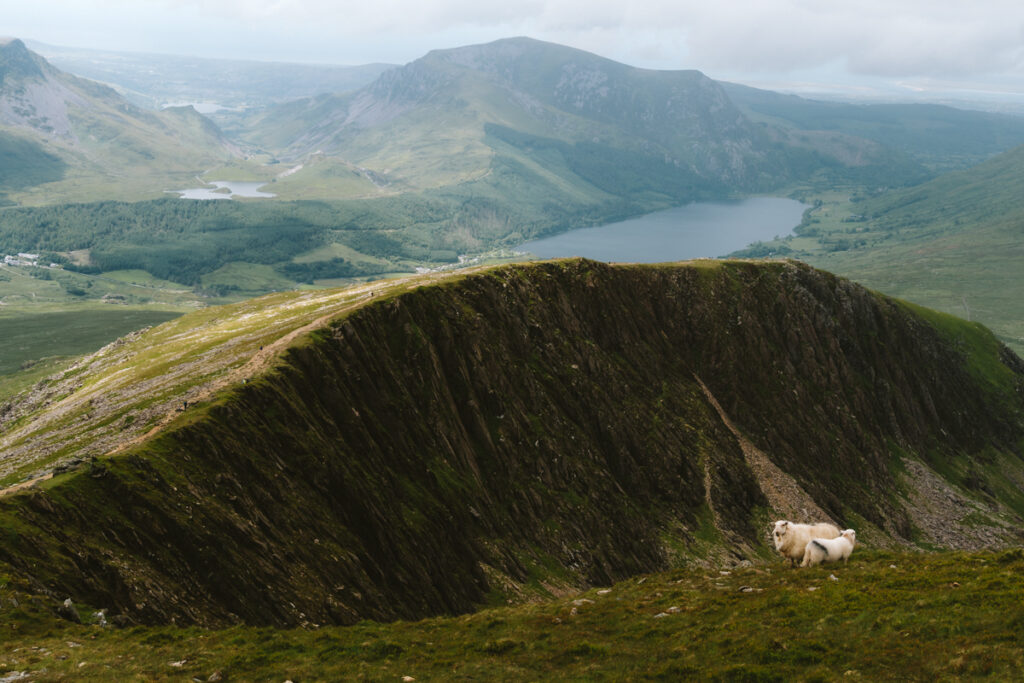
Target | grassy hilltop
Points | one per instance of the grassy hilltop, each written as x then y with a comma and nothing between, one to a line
591,455
537,423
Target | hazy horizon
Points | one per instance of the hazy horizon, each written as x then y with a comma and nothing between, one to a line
906,49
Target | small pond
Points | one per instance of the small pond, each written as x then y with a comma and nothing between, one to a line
225,189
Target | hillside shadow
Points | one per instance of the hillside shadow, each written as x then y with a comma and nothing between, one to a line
27,163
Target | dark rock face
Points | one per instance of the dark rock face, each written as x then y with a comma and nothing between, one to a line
537,423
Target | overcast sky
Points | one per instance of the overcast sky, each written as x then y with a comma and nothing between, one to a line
910,44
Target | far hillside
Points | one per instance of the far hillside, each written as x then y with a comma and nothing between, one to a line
159,80
66,138
940,137
459,156
464,151
570,117
953,243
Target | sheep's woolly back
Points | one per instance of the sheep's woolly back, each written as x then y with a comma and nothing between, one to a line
821,550
824,530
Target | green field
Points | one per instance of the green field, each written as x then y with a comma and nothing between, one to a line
30,337
883,617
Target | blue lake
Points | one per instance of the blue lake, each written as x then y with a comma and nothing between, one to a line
702,229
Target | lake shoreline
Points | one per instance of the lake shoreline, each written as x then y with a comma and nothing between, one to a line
695,230
226,189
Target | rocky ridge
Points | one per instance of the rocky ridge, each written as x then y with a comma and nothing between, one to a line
527,428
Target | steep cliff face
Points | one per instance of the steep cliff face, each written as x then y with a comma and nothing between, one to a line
559,424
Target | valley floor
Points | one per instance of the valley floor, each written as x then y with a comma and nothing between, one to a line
884,616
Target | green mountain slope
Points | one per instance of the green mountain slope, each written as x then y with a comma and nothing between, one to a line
81,140
952,243
426,124
27,163
425,447
942,138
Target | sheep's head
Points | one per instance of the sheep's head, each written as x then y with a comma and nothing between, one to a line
850,535
779,533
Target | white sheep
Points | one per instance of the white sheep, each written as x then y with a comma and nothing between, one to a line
791,538
830,549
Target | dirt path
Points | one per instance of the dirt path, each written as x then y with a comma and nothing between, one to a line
262,359
27,484
259,362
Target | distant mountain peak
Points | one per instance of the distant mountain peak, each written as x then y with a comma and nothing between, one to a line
504,52
18,62
79,119
543,53
680,118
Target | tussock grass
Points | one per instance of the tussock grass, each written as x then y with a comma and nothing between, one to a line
884,616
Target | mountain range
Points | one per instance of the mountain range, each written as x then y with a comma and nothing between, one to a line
453,115
443,106
156,81
594,131
538,435
467,150
73,139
